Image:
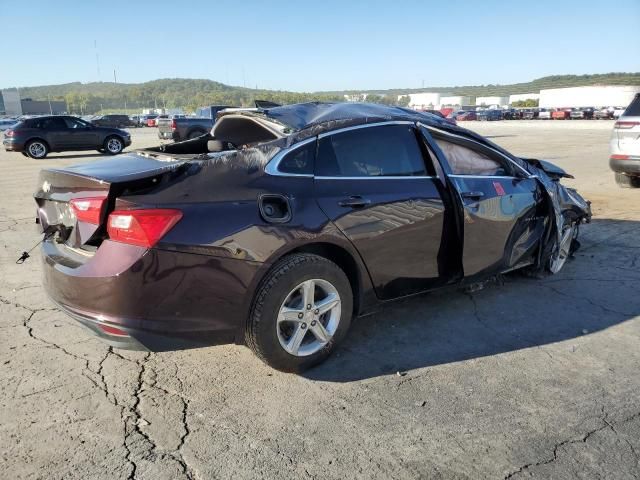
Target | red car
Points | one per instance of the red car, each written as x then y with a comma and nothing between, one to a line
463,115
561,114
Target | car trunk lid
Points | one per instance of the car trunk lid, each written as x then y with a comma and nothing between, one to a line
75,202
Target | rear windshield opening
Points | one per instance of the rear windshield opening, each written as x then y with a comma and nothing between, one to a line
244,131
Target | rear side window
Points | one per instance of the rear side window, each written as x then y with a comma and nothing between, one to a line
300,161
54,123
384,151
633,110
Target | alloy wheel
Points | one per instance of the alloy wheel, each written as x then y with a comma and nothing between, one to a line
562,253
309,317
37,149
114,145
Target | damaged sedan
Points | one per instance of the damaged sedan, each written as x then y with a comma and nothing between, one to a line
285,223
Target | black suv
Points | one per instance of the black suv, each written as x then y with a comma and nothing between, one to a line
115,121
36,137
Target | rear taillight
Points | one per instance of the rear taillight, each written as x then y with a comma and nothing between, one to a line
9,133
89,209
141,227
173,124
625,124
619,157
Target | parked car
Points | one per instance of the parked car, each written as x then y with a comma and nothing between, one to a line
153,121
144,119
7,123
464,115
440,114
114,121
184,128
625,146
561,114
603,114
584,113
530,113
282,225
545,113
489,115
512,114
36,137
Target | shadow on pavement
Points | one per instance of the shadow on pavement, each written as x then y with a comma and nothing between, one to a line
596,290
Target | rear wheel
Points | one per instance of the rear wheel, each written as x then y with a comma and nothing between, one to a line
113,145
300,314
37,149
627,181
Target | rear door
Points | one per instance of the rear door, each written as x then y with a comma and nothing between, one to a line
56,133
502,208
373,183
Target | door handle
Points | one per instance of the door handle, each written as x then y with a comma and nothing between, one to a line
355,201
472,195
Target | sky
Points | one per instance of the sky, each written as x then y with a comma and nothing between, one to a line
316,45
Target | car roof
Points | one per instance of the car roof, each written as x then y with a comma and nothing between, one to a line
330,116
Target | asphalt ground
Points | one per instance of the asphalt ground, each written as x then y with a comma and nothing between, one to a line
525,378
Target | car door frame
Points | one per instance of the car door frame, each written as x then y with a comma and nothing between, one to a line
392,290
518,175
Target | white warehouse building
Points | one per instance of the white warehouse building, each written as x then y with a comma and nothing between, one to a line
487,101
455,101
595,96
520,97
423,100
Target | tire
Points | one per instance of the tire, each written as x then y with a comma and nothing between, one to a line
113,145
627,181
568,244
194,134
283,288
37,149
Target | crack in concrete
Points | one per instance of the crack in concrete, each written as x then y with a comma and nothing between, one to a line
582,439
586,299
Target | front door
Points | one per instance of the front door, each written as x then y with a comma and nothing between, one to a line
375,186
502,218
81,135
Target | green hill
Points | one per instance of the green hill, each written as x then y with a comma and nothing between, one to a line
192,93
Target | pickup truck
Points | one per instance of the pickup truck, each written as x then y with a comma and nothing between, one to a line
180,128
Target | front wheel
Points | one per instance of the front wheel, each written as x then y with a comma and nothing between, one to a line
113,145
301,312
562,253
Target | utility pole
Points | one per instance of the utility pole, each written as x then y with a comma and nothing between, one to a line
115,80
50,109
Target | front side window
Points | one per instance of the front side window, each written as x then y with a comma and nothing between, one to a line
466,161
383,151
74,123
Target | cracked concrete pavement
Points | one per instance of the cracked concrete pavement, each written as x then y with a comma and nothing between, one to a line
525,378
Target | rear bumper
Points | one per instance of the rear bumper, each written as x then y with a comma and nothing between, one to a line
12,145
162,300
630,166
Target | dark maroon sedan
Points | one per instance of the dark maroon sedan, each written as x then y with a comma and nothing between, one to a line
285,223
465,115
